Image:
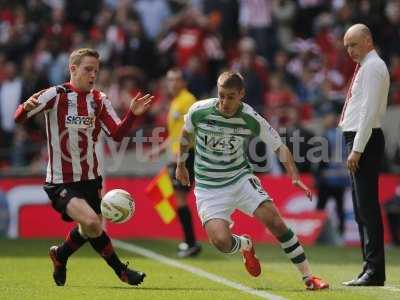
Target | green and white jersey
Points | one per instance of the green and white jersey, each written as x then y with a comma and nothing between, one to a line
221,142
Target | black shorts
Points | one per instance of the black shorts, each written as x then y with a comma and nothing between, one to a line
190,166
60,194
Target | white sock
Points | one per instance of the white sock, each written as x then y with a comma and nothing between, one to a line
245,243
304,269
240,243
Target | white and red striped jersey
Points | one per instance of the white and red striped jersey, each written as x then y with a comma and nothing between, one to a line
73,123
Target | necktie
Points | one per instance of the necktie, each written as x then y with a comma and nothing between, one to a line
348,96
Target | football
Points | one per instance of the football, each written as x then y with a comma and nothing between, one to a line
117,206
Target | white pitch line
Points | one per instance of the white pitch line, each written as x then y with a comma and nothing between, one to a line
199,272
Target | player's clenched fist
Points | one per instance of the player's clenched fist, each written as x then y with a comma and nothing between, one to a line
182,174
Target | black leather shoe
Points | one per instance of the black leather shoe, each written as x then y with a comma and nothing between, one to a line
362,272
367,279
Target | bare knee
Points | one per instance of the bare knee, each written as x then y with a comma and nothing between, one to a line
92,226
219,234
80,211
222,242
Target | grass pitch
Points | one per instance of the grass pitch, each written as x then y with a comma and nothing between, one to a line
25,273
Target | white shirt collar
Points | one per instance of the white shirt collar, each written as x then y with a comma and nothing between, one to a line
370,54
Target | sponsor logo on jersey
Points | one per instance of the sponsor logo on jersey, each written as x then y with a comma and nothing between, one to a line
224,130
74,121
222,143
238,130
63,193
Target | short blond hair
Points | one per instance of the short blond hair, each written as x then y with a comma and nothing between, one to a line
77,55
231,80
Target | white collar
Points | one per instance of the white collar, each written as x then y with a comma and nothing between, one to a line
370,54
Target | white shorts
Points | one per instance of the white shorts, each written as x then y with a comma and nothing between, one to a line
219,203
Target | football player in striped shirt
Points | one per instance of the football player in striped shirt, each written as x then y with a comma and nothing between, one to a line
224,181
75,112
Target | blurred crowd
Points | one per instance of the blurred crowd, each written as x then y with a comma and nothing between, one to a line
290,52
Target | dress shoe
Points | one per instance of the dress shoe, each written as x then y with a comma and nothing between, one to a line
360,275
367,279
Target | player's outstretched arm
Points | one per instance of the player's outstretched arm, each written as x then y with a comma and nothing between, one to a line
181,172
140,105
113,126
28,108
287,160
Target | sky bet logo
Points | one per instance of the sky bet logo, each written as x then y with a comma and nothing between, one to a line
73,121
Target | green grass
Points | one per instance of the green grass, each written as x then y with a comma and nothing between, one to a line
25,273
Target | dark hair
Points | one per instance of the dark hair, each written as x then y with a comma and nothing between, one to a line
231,80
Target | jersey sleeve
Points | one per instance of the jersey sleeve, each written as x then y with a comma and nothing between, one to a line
195,113
108,117
46,101
268,134
188,125
111,123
